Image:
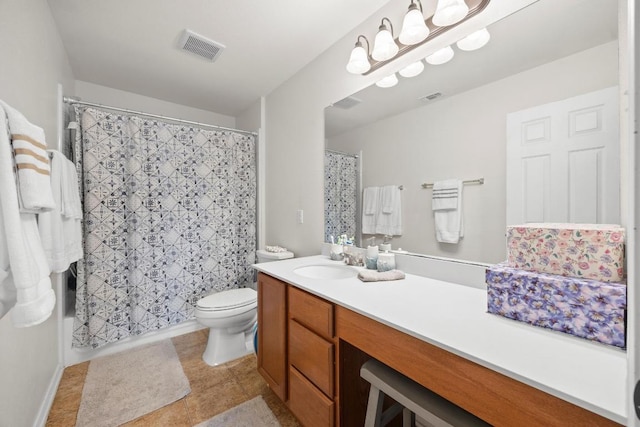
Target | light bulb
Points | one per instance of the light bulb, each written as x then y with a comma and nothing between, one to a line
388,81
384,47
440,56
359,60
448,12
412,70
414,29
474,40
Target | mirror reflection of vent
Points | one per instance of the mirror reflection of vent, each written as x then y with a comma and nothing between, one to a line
348,102
431,97
201,46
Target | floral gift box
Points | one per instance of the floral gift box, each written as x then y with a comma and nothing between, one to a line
591,251
581,307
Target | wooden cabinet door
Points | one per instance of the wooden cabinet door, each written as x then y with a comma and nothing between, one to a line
272,333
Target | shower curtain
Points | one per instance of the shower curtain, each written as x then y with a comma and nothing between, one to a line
340,195
169,216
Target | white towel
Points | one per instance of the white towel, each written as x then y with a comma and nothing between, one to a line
449,222
61,234
71,207
31,161
24,273
389,218
370,197
445,194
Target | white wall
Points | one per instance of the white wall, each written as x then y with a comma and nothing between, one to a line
90,92
33,63
464,136
250,118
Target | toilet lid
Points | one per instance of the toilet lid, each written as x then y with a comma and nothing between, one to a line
227,300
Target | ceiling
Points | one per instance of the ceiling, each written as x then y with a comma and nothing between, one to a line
542,32
132,45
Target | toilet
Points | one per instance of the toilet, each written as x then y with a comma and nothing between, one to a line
231,316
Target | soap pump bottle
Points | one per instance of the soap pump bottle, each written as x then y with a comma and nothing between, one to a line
386,259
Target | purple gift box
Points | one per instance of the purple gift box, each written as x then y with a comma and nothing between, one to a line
581,307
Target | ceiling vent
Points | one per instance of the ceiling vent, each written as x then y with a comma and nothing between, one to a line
348,102
201,46
431,97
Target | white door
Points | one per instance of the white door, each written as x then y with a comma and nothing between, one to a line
563,161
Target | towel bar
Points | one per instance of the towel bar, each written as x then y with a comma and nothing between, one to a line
479,181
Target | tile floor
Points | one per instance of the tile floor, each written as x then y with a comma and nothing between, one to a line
213,390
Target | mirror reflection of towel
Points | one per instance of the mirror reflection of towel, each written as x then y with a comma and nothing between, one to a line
389,218
369,209
447,210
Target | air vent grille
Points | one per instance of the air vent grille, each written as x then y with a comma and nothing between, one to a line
431,97
348,102
201,46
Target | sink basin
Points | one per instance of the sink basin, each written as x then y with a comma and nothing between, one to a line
328,272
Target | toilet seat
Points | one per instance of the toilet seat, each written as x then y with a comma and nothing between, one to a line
230,300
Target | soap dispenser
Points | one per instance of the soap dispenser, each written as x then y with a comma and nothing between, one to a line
386,259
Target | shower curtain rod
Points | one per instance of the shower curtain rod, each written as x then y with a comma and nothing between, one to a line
340,152
71,100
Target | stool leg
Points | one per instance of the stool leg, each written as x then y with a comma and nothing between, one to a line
408,418
374,408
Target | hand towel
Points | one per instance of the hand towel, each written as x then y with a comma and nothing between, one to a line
369,209
70,204
377,276
445,195
61,234
449,222
390,222
25,286
31,160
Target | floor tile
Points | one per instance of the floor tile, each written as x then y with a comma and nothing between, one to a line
174,415
66,403
205,401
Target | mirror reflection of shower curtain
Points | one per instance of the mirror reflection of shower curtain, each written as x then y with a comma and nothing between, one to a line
169,217
341,190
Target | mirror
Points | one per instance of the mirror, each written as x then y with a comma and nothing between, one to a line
450,121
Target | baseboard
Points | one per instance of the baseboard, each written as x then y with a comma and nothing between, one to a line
47,401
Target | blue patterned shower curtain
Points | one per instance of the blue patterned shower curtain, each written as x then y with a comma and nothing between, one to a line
169,216
340,195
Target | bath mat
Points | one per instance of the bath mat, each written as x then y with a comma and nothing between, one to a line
127,385
254,412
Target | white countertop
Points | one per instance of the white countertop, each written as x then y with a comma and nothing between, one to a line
454,317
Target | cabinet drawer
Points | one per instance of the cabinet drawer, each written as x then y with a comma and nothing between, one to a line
312,356
308,404
312,312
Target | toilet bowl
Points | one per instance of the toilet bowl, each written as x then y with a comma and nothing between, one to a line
231,316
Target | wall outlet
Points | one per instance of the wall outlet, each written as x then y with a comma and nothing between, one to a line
300,216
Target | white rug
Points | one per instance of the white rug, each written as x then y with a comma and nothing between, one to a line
254,413
124,386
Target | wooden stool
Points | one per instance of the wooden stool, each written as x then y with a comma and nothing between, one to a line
411,398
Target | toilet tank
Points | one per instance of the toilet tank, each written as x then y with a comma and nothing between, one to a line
264,256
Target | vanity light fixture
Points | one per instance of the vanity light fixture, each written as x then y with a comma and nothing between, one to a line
388,81
384,46
359,59
474,40
441,56
414,28
449,12
412,70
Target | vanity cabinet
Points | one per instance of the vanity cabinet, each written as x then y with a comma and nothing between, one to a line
272,333
311,359
310,352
